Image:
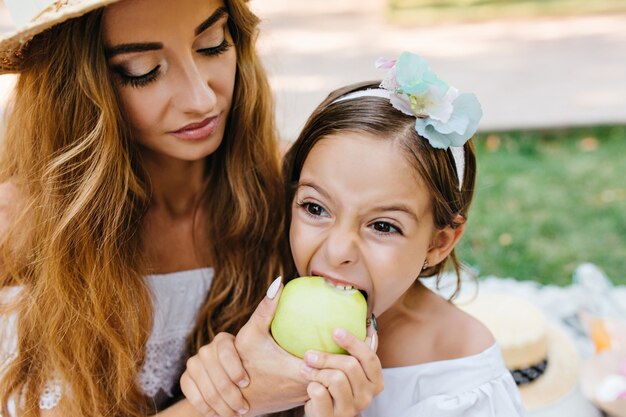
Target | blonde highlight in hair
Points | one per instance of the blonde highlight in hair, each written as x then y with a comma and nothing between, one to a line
74,249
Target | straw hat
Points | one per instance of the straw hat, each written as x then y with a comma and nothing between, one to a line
32,17
526,339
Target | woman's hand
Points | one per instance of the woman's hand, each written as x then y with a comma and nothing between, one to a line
213,379
276,382
249,374
343,385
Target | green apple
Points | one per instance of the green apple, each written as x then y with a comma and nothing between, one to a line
310,309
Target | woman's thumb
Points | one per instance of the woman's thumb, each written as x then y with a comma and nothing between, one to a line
264,313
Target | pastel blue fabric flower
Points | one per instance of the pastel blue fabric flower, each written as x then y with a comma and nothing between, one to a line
443,116
461,126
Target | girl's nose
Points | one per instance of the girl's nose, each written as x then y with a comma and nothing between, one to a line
341,247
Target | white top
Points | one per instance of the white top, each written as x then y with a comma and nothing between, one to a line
473,386
177,298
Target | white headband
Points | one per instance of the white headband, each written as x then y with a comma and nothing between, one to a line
457,151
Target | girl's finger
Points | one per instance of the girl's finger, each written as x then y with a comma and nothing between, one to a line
342,394
320,403
369,362
209,392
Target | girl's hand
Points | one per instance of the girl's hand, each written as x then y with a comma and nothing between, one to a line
343,385
213,379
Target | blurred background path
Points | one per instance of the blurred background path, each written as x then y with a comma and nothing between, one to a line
540,72
555,72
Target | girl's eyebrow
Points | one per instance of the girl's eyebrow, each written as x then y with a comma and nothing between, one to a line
315,187
153,46
398,207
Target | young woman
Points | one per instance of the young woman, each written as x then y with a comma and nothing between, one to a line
139,215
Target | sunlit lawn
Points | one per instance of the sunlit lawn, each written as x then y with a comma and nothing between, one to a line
548,201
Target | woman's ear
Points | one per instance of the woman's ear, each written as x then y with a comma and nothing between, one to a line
444,240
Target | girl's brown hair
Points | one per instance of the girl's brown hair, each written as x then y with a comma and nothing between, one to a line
84,311
376,116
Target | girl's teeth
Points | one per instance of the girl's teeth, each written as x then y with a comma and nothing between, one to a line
341,287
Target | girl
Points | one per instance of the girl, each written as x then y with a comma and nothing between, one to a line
138,170
379,187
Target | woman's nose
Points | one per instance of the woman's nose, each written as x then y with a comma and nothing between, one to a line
341,247
195,95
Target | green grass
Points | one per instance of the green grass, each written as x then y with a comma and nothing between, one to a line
438,11
548,201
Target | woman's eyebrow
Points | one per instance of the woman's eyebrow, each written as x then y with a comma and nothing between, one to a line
132,47
153,46
210,21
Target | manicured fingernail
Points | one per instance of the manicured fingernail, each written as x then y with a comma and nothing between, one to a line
243,383
340,334
307,369
243,411
373,342
310,357
273,289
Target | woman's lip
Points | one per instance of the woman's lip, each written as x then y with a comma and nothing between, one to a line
197,131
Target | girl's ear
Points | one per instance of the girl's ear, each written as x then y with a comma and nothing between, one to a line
443,242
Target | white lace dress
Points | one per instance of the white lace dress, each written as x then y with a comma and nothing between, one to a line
177,298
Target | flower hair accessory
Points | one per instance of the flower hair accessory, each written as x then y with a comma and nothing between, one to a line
443,116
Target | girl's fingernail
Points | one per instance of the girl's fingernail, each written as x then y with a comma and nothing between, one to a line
273,289
310,357
307,369
340,334
373,342
243,383
243,411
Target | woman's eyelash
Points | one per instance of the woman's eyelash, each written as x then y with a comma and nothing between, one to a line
141,80
219,49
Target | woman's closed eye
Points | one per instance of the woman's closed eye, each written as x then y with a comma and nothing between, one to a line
138,80
216,50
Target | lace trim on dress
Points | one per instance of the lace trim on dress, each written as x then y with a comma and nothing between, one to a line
163,365
51,395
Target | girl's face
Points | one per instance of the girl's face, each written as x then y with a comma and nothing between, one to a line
174,63
361,216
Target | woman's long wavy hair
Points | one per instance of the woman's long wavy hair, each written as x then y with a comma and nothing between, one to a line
74,248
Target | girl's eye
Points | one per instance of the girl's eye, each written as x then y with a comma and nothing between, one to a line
217,50
139,80
313,209
385,228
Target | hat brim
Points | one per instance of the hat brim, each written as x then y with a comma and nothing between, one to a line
594,370
12,43
560,376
